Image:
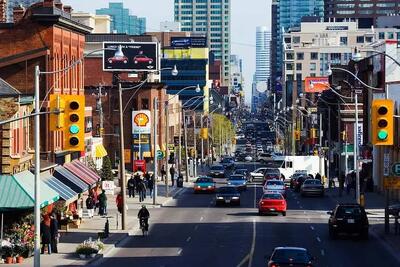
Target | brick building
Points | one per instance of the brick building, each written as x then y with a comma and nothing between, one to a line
44,35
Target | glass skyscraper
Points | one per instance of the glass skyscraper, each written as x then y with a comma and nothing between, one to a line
212,19
122,21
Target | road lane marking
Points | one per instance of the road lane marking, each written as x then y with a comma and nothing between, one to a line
180,252
253,245
245,259
201,218
318,239
312,227
188,239
322,252
196,227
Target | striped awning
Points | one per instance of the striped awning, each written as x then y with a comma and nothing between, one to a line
70,179
63,190
101,152
83,172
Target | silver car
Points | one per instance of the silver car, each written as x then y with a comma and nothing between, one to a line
312,187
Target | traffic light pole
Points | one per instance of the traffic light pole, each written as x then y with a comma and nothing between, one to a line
155,175
356,150
122,157
36,212
166,149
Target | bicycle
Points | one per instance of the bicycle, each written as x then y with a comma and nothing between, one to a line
144,225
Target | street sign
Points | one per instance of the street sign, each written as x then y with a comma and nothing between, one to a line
396,169
391,183
386,164
160,154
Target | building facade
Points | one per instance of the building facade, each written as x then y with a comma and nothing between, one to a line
365,12
98,23
13,3
170,26
122,21
263,64
212,19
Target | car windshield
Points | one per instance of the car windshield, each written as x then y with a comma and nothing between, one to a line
290,255
227,190
240,171
236,177
348,211
275,182
226,160
272,196
312,182
204,180
272,172
216,168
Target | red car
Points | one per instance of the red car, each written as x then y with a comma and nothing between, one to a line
118,59
272,203
142,59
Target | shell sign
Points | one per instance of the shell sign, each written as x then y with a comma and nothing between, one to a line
141,122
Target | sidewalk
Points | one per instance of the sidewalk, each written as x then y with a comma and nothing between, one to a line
90,228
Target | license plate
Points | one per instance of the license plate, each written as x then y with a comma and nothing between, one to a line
272,209
204,189
227,201
350,220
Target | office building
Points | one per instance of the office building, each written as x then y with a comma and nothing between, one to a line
263,39
122,21
365,12
287,14
212,19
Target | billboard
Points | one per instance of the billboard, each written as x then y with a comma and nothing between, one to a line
180,41
128,57
316,84
141,122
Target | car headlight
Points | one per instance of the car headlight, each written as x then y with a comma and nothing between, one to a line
220,198
235,197
229,183
209,186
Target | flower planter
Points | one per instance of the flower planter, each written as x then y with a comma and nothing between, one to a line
82,256
9,260
20,259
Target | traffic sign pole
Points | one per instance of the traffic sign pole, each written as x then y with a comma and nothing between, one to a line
155,151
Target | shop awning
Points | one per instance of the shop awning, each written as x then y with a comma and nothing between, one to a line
63,190
83,172
101,152
27,181
70,179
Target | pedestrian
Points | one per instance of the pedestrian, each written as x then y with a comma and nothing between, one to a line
341,183
150,185
103,203
90,205
95,197
142,191
172,172
131,187
318,176
45,235
163,172
54,233
119,203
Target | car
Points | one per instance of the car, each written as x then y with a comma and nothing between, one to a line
227,162
243,172
299,182
227,195
275,186
248,158
312,187
348,218
290,256
272,174
264,157
238,180
257,174
142,59
294,177
204,184
272,202
118,59
217,171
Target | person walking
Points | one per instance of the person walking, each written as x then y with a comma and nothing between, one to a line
142,191
150,185
172,172
163,172
54,233
131,187
318,176
45,235
118,202
103,203
90,206
137,181
95,197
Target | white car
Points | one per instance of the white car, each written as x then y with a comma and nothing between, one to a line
275,186
248,158
257,174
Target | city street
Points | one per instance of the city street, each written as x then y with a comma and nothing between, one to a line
191,231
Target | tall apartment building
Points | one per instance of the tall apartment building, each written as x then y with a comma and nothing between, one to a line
212,19
263,67
365,12
287,14
122,21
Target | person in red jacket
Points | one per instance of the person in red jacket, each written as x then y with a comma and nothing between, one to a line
119,203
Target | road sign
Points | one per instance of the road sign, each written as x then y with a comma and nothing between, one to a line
391,183
396,169
160,154
386,164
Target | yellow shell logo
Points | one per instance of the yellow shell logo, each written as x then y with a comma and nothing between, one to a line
141,120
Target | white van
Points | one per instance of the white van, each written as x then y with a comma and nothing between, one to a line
289,164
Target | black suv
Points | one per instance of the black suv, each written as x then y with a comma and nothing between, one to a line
348,218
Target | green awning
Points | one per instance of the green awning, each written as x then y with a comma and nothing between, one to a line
17,192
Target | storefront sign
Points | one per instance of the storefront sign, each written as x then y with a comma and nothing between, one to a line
141,122
108,186
316,84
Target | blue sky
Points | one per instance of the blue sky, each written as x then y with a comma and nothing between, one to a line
246,16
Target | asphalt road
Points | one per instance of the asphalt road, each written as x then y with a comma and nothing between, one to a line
191,231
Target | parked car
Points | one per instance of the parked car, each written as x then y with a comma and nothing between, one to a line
348,218
275,186
272,203
204,184
238,180
312,187
228,162
217,171
227,195
290,256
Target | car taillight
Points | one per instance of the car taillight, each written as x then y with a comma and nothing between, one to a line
273,265
283,202
262,202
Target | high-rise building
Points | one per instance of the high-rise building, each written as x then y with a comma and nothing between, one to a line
210,18
287,14
365,12
122,21
263,40
13,3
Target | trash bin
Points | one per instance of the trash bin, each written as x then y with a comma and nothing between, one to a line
179,181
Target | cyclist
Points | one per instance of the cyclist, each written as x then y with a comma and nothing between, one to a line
143,216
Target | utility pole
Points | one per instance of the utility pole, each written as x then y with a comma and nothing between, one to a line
186,146
166,148
202,140
36,260
195,144
180,143
155,179
122,156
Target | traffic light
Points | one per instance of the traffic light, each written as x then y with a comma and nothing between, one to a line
74,130
313,133
57,107
297,135
382,122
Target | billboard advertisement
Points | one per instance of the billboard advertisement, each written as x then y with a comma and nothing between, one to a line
141,122
180,41
129,57
316,84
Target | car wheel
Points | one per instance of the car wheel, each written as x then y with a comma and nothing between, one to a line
302,195
238,204
136,62
332,234
110,61
365,235
283,213
150,62
322,194
125,61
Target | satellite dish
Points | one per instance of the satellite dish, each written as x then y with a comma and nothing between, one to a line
261,87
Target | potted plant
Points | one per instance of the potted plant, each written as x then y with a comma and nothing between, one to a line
19,250
87,248
8,252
